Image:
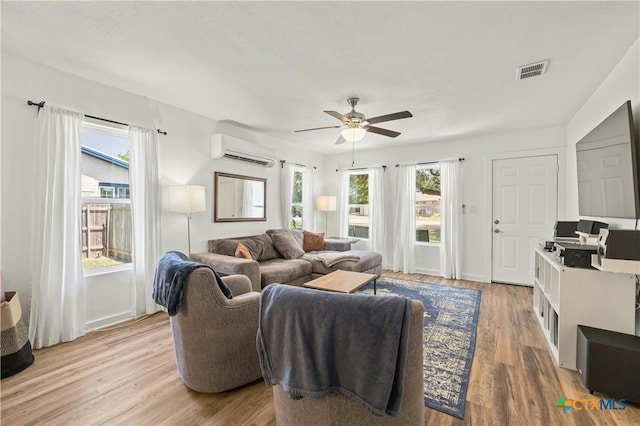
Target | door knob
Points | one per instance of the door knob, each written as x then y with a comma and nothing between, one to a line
496,221
497,231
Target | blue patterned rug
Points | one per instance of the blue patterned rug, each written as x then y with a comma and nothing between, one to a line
450,323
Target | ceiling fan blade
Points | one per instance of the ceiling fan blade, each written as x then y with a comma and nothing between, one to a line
340,140
338,116
318,128
383,132
389,117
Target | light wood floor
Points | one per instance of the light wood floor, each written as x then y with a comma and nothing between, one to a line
128,376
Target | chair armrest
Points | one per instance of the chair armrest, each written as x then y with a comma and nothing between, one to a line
229,265
238,284
245,299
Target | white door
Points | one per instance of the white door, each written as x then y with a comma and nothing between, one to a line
525,199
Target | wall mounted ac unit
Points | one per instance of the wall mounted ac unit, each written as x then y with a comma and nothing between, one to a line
228,147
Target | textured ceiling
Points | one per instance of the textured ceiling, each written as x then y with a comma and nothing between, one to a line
275,66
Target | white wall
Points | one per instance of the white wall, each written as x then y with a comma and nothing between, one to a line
1,180
184,157
621,85
477,152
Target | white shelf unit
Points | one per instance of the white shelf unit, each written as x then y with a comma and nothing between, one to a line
616,265
565,297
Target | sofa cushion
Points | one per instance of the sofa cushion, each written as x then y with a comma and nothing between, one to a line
368,260
286,243
269,251
283,270
313,241
226,246
259,246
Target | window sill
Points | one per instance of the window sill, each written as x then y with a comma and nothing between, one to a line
425,244
107,270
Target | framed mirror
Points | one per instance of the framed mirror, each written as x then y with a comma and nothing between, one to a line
239,198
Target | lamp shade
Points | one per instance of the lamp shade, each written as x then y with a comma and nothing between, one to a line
353,134
326,203
186,198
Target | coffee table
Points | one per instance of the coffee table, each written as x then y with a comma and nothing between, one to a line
343,281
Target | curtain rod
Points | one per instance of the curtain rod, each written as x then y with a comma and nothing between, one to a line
384,168
41,104
425,163
295,164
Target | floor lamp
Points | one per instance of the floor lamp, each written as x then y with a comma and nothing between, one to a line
187,199
326,203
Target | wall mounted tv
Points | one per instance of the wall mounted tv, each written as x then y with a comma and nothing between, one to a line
607,162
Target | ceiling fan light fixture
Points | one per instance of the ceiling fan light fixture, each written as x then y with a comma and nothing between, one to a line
353,134
357,124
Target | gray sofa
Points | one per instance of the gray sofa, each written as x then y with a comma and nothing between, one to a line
273,261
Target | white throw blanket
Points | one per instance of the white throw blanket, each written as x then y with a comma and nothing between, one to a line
330,259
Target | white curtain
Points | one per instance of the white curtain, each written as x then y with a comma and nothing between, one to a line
248,203
308,216
376,209
451,219
57,299
342,201
404,246
287,193
145,212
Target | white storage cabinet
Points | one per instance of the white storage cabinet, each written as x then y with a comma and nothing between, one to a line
565,297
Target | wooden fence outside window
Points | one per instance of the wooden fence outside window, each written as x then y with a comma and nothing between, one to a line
107,231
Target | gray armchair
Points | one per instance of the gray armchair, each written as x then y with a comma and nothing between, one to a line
214,337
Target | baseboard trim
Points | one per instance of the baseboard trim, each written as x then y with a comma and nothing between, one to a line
474,277
424,271
108,321
428,272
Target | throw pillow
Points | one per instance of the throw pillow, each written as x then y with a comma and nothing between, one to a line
242,252
253,245
297,235
313,241
285,243
269,251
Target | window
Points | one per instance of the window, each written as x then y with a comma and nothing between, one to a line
358,204
107,192
296,200
428,203
106,205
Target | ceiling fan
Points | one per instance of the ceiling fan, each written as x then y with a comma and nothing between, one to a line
356,125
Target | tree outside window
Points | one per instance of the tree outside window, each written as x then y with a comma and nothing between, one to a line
428,198
358,205
296,201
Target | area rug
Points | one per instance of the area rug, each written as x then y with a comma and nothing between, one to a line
450,323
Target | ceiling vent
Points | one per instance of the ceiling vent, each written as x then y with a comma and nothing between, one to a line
532,70
230,148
